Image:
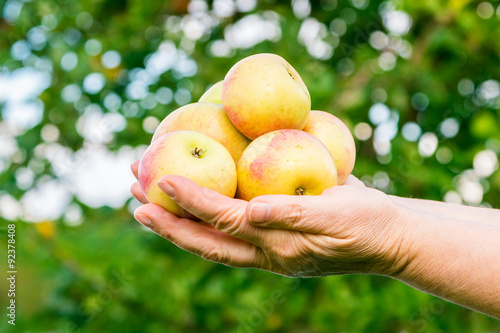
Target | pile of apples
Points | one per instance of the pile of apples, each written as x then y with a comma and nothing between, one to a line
251,134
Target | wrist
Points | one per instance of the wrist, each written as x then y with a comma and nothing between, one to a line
404,240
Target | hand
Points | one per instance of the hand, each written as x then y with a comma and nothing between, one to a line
347,229
136,189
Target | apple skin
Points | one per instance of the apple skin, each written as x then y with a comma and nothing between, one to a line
263,93
285,162
175,154
213,94
209,119
336,137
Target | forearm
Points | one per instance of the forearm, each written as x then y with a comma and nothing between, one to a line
453,211
456,260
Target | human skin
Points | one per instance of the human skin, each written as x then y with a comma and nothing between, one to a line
450,210
364,232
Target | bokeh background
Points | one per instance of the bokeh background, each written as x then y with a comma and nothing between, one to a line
83,84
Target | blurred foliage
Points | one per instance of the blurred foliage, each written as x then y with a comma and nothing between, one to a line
431,68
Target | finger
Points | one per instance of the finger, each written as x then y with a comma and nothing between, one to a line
354,181
135,168
350,181
201,240
224,213
297,213
138,193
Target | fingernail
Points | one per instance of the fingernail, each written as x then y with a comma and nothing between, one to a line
260,212
144,220
165,187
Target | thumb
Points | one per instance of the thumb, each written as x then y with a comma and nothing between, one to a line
290,212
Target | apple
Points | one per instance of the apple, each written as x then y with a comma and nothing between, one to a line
285,162
336,137
263,93
189,154
209,119
213,94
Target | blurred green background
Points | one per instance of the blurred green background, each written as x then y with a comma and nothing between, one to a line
83,84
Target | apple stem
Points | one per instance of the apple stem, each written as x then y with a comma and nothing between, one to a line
197,152
300,191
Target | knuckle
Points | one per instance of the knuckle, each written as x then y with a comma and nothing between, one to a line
196,202
203,196
209,194
216,254
293,213
223,225
227,221
163,233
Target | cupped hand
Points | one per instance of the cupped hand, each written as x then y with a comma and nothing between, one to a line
136,189
348,229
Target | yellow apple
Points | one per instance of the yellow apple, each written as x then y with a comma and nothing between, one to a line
336,137
285,162
189,154
213,94
209,119
263,93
